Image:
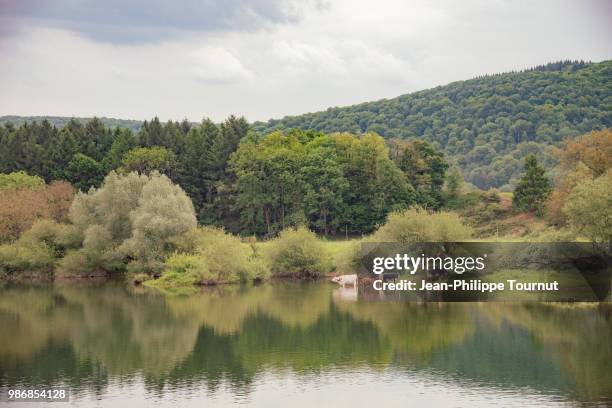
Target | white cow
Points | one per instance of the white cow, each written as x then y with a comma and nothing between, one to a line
344,280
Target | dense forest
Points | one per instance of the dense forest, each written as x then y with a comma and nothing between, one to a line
262,178
247,182
61,121
486,125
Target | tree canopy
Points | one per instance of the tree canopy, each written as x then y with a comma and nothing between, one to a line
487,125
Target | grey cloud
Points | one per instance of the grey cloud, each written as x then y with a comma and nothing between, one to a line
143,21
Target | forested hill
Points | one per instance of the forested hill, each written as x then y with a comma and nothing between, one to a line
486,125
60,121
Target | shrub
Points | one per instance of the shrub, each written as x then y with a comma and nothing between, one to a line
174,279
26,258
21,207
131,217
491,196
188,263
258,268
227,257
417,225
73,263
182,270
589,208
58,237
39,247
209,255
298,253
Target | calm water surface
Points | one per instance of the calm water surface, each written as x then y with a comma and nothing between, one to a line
289,344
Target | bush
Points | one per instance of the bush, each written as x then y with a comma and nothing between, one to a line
181,270
131,217
227,257
58,237
174,279
190,264
38,248
589,208
491,196
26,258
298,253
417,225
210,256
21,207
75,263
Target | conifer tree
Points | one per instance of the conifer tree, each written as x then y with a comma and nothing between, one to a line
533,189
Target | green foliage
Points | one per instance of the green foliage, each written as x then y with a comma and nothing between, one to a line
20,179
225,255
56,236
211,256
533,189
173,279
184,268
424,167
130,217
123,142
418,225
38,248
75,263
61,121
332,183
454,185
84,172
145,160
25,257
589,208
83,151
487,124
298,253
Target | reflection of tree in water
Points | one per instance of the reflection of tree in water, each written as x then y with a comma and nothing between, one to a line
129,333
266,343
87,335
51,364
577,338
415,329
126,334
225,309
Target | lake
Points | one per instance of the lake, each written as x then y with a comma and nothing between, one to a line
299,345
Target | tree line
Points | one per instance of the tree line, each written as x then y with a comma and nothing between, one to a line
244,181
487,125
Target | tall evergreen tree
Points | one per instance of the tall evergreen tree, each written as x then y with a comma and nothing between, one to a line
60,151
533,188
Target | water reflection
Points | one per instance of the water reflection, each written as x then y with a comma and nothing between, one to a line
225,339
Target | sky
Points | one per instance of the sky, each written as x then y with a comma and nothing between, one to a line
266,59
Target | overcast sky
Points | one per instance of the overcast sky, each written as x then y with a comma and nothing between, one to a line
269,58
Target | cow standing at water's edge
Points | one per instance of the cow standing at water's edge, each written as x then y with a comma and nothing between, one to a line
344,280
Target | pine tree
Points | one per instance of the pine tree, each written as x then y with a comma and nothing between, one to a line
533,189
